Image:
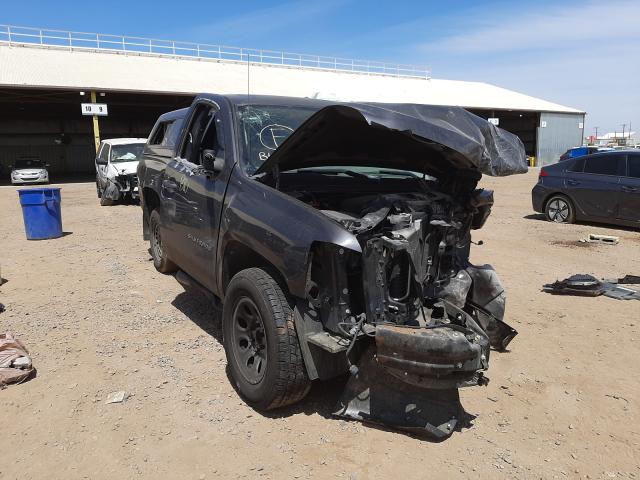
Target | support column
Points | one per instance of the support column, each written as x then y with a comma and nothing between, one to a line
96,125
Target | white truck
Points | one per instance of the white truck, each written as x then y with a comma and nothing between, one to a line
116,166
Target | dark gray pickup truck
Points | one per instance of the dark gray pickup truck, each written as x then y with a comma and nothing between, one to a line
336,237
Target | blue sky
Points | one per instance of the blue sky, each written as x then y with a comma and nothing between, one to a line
584,54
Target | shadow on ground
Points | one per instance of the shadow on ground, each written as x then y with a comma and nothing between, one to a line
323,397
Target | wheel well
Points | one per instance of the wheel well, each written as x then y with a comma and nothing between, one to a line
238,257
151,202
151,199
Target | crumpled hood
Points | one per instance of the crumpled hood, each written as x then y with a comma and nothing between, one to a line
122,168
436,140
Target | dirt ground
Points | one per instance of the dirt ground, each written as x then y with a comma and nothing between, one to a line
97,318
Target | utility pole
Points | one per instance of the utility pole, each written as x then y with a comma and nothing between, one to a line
596,129
623,140
96,125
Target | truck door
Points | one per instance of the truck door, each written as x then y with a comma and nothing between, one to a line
630,190
196,195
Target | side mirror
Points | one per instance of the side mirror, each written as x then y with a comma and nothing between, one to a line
211,163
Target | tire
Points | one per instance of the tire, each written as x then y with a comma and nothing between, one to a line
261,343
159,255
559,209
98,189
105,202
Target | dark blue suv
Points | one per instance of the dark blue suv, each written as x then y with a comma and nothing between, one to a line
603,187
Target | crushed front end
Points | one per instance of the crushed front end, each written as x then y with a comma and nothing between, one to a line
122,187
415,319
396,302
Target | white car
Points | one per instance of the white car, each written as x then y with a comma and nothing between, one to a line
29,170
116,169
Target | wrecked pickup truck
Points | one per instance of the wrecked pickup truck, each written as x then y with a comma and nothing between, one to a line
337,238
116,169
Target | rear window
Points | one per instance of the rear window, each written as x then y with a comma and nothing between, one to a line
166,134
603,165
634,166
578,152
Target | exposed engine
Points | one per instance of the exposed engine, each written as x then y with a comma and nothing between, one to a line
410,307
412,245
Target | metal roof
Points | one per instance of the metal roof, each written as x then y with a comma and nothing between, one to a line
45,66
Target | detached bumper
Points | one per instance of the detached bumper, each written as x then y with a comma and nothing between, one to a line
440,357
375,395
408,378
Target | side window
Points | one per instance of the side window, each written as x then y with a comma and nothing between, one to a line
578,165
104,152
172,133
201,135
160,134
634,166
604,164
166,134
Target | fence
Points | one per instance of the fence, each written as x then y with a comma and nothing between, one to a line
47,38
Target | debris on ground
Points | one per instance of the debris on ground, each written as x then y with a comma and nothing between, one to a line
606,239
117,397
626,280
589,286
2,307
15,362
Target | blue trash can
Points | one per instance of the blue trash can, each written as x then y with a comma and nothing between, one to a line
41,213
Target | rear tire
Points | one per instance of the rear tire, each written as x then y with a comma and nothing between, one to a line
158,253
261,343
559,209
105,202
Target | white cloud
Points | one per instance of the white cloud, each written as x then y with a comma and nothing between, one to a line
584,55
584,24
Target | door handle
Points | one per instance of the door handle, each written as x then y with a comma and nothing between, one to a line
626,188
573,182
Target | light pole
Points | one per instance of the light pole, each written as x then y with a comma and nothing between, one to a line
596,129
623,140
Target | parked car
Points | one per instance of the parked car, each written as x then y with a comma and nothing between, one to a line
584,150
116,169
336,237
603,187
29,170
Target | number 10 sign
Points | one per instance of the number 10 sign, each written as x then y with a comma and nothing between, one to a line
94,109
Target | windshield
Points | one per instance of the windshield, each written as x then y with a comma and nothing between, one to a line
264,127
126,153
28,163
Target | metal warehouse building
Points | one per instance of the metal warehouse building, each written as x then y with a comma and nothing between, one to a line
45,76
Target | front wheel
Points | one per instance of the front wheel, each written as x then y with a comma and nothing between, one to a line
158,252
261,343
559,210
